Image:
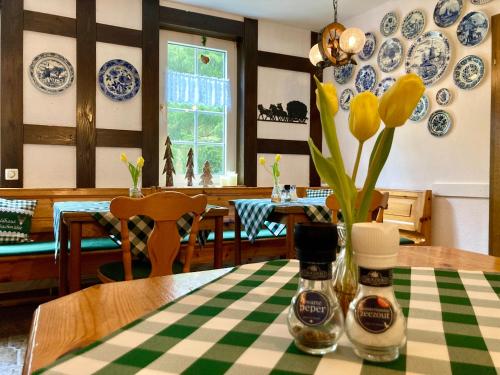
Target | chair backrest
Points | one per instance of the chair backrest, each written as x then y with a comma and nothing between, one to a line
375,213
165,209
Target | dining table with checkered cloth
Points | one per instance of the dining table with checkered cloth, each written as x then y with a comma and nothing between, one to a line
237,324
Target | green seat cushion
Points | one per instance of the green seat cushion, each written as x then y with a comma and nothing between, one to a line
47,247
140,269
228,235
406,241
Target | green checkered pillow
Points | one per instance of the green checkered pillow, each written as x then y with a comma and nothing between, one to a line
15,220
318,193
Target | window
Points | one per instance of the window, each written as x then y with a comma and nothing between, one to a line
202,127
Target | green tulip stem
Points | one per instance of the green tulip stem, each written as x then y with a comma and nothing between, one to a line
358,158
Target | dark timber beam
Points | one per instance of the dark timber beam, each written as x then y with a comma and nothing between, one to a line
315,131
280,146
119,35
286,62
11,61
49,24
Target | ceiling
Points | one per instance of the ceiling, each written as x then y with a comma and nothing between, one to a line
307,14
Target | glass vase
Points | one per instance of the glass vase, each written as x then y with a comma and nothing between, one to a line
135,192
345,274
276,193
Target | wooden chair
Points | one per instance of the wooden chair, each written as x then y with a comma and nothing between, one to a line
375,213
164,241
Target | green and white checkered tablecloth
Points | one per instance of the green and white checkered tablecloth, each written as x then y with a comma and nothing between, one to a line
237,325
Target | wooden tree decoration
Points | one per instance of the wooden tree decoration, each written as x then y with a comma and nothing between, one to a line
206,177
169,169
190,168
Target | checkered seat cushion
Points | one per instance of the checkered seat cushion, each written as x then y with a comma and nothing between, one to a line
318,193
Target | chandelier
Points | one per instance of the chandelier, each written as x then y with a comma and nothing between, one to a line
337,45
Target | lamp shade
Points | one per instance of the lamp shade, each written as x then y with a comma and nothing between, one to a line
352,40
315,55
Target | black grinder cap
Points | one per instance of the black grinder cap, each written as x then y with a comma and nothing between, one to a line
316,242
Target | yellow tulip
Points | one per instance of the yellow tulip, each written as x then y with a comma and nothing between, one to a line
399,102
277,158
331,97
140,162
364,119
262,160
123,157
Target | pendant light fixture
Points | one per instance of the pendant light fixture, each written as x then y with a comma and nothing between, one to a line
337,45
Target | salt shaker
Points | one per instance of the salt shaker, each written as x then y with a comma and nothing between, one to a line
315,318
375,323
285,194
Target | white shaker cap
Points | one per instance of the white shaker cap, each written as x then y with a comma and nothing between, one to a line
376,245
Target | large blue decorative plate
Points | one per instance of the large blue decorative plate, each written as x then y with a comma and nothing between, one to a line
468,72
421,109
439,123
345,99
443,96
366,78
343,73
479,2
51,73
473,28
384,85
447,12
369,47
429,57
119,80
390,55
389,24
413,24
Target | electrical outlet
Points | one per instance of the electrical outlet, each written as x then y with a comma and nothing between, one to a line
11,174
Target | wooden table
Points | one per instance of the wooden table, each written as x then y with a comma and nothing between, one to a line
77,225
79,319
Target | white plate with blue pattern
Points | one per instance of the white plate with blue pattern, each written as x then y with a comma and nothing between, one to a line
413,24
479,2
342,74
389,24
119,80
384,85
369,47
366,78
473,28
469,72
390,55
443,96
446,12
439,123
51,73
345,99
421,109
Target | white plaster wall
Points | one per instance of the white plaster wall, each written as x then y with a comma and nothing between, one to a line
112,114
110,170
209,12
41,108
284,39
66,8
123,13
294,170
49,166
418,160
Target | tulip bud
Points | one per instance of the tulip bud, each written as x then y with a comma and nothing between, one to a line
140,162
277,158
399,102
364,119
123,157
262,160
330,93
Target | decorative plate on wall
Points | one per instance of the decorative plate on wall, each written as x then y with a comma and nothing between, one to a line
479,2
119,80
369,47
447,12
384,85
366,78
421,109
443,96
413,24
51,73
439,123
473,28
389,24
468,72
345,99
343,73
390,55
429,57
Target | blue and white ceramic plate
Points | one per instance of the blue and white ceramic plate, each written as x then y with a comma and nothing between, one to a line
369,47
413,24
119,80
479,2
389,24
366,78
343,73
447,12
468,72
51,73
439,123
390,55
429,57
384,85
345,99
473,28
443,96
421,109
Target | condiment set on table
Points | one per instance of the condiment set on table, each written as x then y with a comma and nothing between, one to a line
374,322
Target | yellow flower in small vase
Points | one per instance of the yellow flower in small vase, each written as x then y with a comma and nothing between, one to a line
275,173
135,173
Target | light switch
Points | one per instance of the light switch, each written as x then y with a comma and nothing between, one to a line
11,174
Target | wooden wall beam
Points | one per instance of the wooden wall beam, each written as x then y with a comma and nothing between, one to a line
197,23
119,35
11,90
280,146
85,93
247,105
286,62
315,131
119,138
150,91
49,135
49,24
